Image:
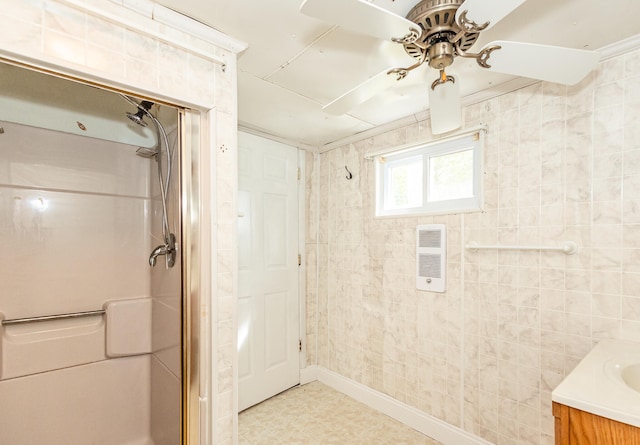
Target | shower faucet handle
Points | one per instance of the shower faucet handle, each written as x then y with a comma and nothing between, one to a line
168,250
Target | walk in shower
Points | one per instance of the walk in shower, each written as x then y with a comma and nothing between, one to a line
91,299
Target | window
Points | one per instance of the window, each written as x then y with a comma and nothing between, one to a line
439,177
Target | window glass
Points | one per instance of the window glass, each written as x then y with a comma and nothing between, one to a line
451,176
404,183
440,177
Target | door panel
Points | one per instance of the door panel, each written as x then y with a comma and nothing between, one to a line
275,231
275,317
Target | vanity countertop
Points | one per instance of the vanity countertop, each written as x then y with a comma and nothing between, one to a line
597,385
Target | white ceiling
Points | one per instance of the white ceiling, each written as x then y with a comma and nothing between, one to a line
296,64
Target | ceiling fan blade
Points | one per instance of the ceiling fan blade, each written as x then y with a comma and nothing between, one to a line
445,106
361,93
487,11
359,16
567,66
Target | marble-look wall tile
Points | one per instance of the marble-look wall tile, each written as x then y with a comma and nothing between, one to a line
64,20
105,35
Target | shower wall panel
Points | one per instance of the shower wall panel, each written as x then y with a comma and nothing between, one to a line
103,403
74,223
72,220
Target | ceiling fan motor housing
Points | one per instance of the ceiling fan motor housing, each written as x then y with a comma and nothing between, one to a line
437,21
440,55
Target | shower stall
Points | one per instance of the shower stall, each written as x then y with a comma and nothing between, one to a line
91,269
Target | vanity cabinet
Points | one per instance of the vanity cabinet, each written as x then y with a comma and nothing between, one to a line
576,427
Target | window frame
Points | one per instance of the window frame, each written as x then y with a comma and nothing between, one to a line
473,140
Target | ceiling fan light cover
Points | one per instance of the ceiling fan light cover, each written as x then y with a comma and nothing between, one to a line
444,103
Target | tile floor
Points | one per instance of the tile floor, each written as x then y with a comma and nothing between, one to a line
315,414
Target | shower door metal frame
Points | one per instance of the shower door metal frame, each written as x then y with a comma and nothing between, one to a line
191,277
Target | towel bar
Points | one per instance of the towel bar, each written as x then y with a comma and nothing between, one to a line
568,247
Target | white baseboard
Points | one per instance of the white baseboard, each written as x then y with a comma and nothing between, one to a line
410,416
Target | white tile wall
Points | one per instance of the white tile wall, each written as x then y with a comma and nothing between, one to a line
562,163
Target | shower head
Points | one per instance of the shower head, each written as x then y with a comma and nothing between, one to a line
137,118
143,108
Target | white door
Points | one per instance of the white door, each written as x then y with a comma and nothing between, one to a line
268,314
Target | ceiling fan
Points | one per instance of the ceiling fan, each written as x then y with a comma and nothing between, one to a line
436,32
